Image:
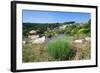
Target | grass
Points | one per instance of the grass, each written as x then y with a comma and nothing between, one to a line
35,53
28,53
60,48
85,51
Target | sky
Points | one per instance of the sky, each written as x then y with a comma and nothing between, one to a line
34,16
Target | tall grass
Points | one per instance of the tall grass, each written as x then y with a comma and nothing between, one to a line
60,48
85,51
28,53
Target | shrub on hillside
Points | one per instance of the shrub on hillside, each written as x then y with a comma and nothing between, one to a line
60,48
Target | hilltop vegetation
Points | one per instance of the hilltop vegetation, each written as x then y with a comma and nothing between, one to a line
41,27
51,29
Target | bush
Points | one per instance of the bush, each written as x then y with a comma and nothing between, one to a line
83,31
74,31
59,48
50,34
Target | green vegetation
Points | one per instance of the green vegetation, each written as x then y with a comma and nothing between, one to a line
60,48
41,27
50,29
60,45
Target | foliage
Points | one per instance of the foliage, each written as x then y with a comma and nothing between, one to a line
49,34
42,27
59,48
83,31
39,27
71,29
74,31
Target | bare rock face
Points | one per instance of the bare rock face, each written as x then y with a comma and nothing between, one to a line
32,37
32,32
39,40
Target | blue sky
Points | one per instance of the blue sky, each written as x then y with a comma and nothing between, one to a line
33,16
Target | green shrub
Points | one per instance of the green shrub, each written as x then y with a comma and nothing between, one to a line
59,48
50,33
74,31
83,31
